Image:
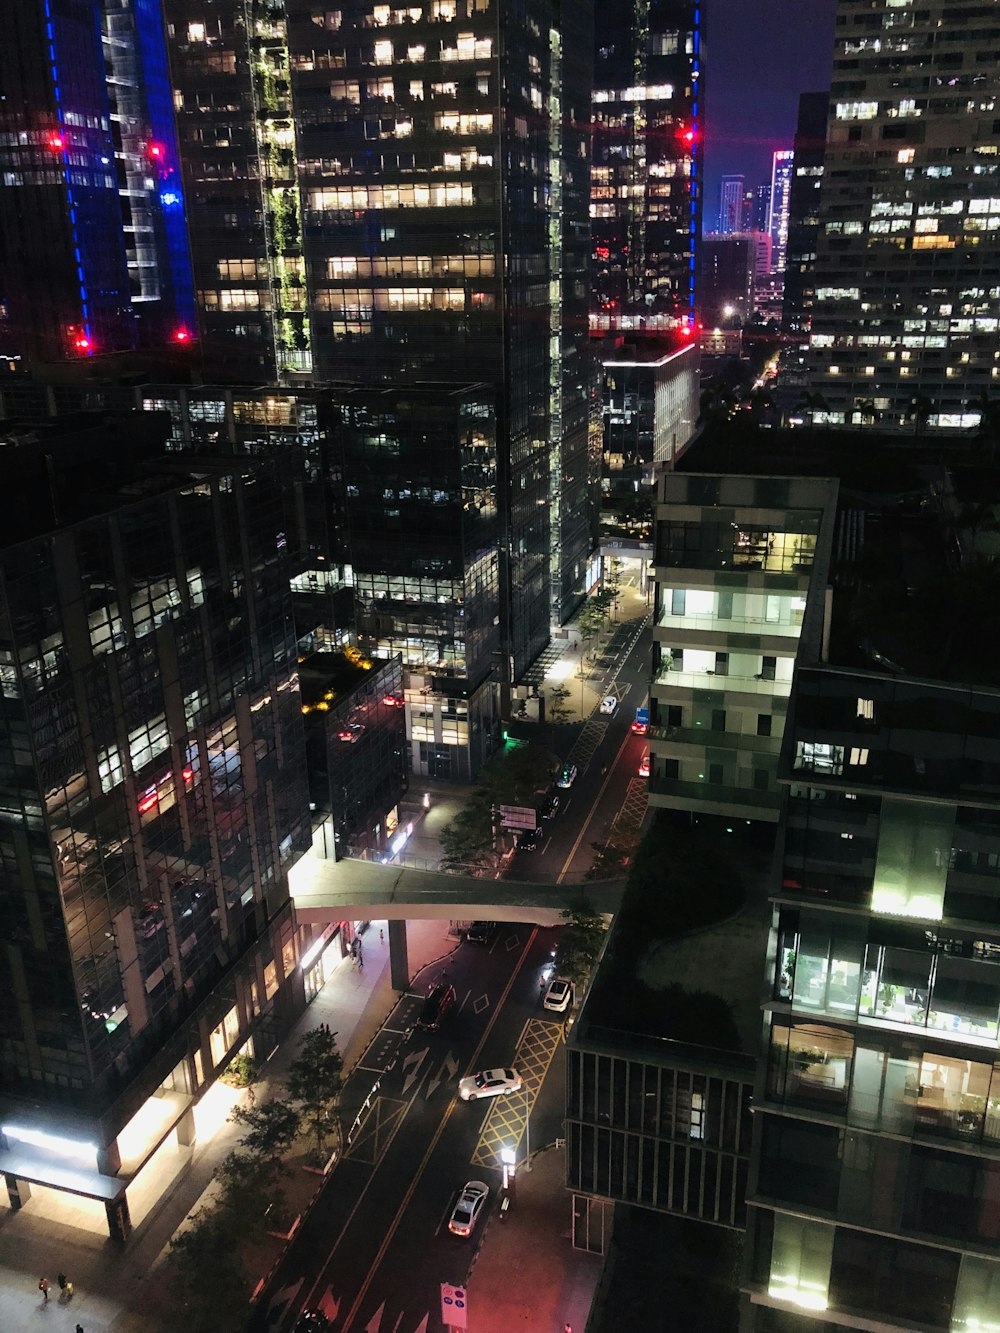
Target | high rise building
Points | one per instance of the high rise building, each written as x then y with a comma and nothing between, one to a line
907,294
761,217
378,194
153,756
781,185
646,180
93,250
731,205
803,213
728,268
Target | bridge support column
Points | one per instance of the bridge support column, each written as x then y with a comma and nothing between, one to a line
399,962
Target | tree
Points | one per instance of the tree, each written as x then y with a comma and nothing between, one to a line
760,404
271,1129
610,859
558,708
207,1261
988,426
811,403
467,842
920,412
867,411
314,1082
579,944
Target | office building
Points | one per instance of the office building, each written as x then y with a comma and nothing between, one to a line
646,201
421,508
728,280
732,196
781,184
736,561
907,295
804,215
156,794
93,250
760,219
650,400
357,213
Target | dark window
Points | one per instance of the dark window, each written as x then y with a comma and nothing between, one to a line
671,769
718,719
716,775
761,779
800,1163
678,601
911,1283
725,606
768,668
675,715
722,664
763,724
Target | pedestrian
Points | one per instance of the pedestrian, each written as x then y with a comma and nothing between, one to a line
381,936
43,1287
78,1329
251,1097
361,963
61,1279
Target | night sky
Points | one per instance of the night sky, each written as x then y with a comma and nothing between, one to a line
758,56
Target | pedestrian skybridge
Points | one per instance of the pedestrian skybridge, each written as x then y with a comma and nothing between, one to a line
327,891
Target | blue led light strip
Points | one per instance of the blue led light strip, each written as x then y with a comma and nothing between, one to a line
694,238
54,65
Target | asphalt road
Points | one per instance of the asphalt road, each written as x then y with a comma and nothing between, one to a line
588,809
375,1247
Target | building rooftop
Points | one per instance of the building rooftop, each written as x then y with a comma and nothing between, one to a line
914,572
682,969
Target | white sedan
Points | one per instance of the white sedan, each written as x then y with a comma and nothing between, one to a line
489,1083
470,1204
558,996
608,705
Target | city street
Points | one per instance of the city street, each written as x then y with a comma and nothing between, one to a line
375,1247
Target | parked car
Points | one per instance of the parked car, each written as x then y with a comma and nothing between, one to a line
529,839
351,732
489,1083
482,932
439,1000
609,705
558,996
644,766
550,805
469,1207
567,777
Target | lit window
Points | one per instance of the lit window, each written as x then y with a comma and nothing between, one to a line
858,757
866,709
196,32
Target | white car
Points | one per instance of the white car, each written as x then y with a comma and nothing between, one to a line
489,1083
558,996
470,1204
608,705
567,777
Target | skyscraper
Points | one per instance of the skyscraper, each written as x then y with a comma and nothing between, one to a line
781,184
907,290
731,205
803,213
153,756
378,194
93,251
646,180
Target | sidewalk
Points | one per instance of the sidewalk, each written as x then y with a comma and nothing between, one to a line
528,1275
127,1289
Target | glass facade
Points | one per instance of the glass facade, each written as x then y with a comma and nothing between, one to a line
906,305
93,247
155,781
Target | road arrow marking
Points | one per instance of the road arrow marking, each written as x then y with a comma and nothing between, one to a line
449,1069
422,1326
412,1065
375,1322
284,1297
329,1304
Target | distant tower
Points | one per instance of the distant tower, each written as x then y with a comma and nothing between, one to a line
761,208
781,184
731,205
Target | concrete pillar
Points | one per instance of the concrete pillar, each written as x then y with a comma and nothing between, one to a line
119,1220
186,1132
109,1160
399,962
18,1192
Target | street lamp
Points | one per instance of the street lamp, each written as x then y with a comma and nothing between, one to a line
508,1157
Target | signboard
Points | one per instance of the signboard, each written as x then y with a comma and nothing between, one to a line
518,816
642,716
454,1306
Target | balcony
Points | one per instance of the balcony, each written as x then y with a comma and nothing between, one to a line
706,738
723,684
